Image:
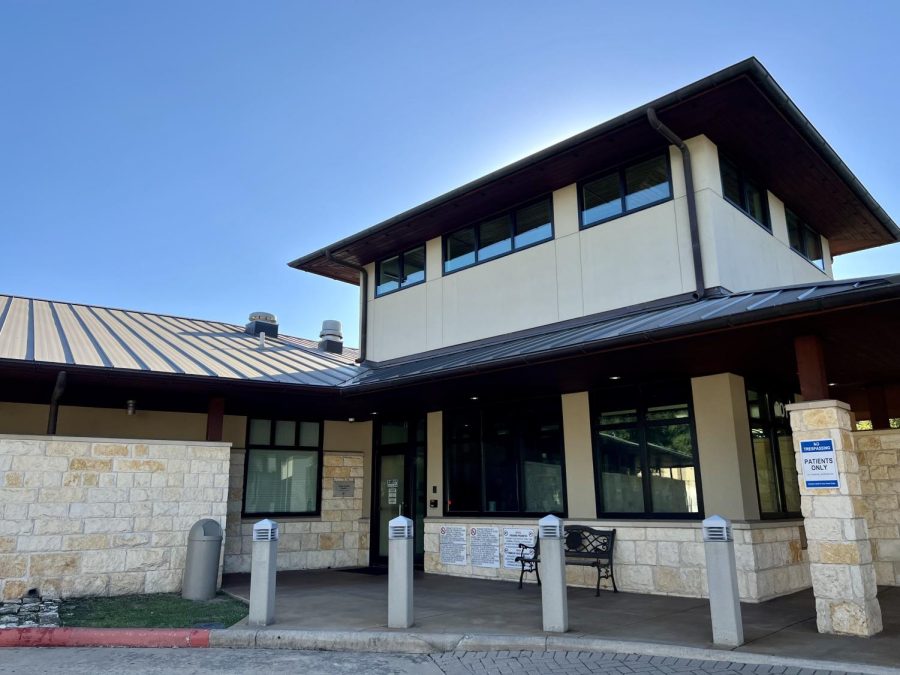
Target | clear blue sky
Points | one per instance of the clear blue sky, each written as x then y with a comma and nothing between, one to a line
174,156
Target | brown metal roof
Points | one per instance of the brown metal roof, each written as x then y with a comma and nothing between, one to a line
741,109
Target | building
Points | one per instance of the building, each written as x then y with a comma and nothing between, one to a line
611,329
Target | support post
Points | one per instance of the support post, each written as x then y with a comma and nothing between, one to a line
215,418
262,573
721,575
811,367
400,573
554,601
840,552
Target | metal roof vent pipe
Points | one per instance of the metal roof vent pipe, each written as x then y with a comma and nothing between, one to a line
263,323
332,338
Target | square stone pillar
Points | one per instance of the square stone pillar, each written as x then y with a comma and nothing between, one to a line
840,553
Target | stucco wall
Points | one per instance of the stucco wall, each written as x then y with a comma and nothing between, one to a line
879,472
95,516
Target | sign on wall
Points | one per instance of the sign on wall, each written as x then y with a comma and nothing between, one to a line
343,488
485,546
512,537
819,464
453,544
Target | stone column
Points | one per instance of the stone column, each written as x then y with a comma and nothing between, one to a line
840,554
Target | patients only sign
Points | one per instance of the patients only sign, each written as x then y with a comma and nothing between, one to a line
819,464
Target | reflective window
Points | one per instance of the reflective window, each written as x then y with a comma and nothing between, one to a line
773,454
744,192
400,271
804,240
627,189
528,225
644,451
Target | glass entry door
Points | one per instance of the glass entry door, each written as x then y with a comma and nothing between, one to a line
400,482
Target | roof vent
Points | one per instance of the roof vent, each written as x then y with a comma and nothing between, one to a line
332,339
263,322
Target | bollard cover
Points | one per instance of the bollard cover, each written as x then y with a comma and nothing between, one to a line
717,528
265,530
550,527
400,527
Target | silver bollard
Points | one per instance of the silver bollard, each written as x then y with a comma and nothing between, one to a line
400,573
554,601
721,573
262,573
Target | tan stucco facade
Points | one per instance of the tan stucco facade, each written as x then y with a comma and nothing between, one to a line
579,454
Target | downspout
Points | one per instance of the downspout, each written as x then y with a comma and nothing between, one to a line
670,136
54,402
363,303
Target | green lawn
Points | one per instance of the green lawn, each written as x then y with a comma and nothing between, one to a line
160,610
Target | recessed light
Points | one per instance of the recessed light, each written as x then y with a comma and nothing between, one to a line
374,412
473,398
615,377
832,384
351,419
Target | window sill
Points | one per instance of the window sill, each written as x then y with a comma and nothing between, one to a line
821,269
397,290
584,226
767,228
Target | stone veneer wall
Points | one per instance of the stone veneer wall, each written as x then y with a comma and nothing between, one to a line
339,538
82,516
879,473
662,558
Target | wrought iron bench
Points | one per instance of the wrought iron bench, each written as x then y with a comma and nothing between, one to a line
584,546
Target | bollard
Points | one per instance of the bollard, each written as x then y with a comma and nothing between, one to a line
400,573
724,600
554,601
262,573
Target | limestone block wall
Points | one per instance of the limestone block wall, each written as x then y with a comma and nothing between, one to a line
86,516
338,538
664,558
879,471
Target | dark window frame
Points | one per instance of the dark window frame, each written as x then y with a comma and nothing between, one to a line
402,256
483,512
476,227
641,424
620,169
804,228
285,448
745,178
770,428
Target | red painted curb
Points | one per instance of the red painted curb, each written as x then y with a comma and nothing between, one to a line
104,637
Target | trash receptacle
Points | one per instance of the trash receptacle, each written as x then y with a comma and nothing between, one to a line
201,567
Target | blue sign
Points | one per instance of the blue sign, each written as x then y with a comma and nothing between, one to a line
819,464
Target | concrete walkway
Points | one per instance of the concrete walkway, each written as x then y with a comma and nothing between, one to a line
785,627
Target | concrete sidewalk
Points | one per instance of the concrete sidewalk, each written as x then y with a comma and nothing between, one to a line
488,613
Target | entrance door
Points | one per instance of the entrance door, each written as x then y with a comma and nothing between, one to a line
400,482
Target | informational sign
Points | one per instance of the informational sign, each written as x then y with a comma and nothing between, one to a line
392,485
453,544
485,546
819,464
512,537
343,489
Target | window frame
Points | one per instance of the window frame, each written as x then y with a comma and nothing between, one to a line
520,406
476,227
620,170
402,257
641,424
743,179
804,228
248,447
770,428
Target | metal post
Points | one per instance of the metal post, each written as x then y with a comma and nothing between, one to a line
262,573
554,601
400,573
721,573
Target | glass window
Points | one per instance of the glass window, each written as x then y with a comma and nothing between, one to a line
804,240
495,238
644,451
505,459
406,269
533,224
745,193
282,478
460,249
773,454
602,199
646,183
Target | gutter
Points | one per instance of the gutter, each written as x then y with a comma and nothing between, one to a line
363,301
670,136
54,402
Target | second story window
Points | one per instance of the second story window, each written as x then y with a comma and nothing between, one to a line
401,271
627,189
744,192
805,240
518,229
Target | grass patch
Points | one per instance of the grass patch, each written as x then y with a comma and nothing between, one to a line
159,610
